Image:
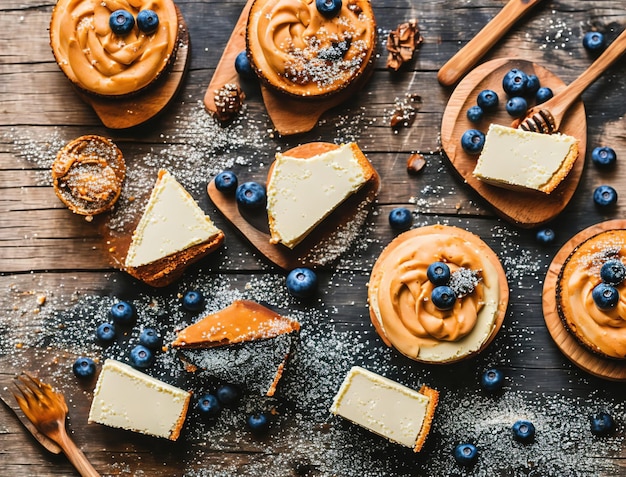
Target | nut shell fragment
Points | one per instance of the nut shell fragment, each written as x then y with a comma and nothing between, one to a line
402,43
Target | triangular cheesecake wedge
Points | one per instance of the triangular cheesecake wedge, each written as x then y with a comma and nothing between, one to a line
172,233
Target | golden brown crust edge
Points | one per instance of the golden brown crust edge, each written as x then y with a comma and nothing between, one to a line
433,400
181,421
563,171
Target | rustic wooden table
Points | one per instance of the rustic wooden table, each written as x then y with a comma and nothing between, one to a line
57,281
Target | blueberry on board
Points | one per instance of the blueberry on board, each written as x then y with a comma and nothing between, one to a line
228,394
301,282
193,300
523,431
605,296
208,405
84,367
492,380
594,41
602,423
473,141
250,195
400,218
122,313
465,454
532,85
605,196
243,66
613,272
514,82
516,106
258,423
438,273
543,94
475,114
487,100
147,21
328,8
151,338
226,182
121,22
545,236
141,357
443,297
105,333
603,156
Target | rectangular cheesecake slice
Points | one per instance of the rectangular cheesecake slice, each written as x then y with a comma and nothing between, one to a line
517,159
129,399
386,408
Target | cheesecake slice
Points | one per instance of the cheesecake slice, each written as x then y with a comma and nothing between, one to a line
303,191
517,159
172,233
129,399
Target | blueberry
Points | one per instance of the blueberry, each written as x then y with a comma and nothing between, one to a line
465,454
613,272
603,156
150,338
400,218
438,273
605,296
523,431
105,333
122,313
545,236
443,297
250,195
121,22
492,380
602,424
328,8
594,41
243,66
475,114
532,85
301,282
605,196
473,141
147,21
226,182
141,357
193,300
514,82
543,94
208,405
487,100
516,106
258,423
84,367
228,394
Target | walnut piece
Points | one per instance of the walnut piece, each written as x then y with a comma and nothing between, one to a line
402,43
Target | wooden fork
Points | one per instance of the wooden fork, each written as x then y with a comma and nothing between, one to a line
47,410
547,117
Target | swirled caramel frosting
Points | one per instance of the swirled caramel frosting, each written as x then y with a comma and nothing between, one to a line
601,331
100,62
298,51
399,294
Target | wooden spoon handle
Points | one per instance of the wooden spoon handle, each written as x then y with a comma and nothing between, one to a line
467,56
74,454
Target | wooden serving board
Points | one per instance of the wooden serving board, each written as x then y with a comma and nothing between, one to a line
525,209
612,369
123,113
324,244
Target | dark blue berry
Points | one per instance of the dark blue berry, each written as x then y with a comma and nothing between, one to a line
438,273
228,394
613,272
258,423
400,218
487,100
514,82
523,431
532,85
226,182
602,424
543,94
251,195
141,357
301,282
208,405
151,338
605,296
465,454
603,156
516,106
475,114
121,22
105,333
122,313
605,196
443,297
328,8
243,66
545,236
193,300
594,41
473,141
84,367
492,380
147,21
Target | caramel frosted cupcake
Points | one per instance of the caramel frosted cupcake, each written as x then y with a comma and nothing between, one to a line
99,61
591,293
437,294
88,173
305,52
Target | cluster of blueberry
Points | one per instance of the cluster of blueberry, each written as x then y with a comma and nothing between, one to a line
604,294
604,157
443,295
227,395
122,22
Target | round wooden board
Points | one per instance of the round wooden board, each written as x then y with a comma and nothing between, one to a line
612,369
525,209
